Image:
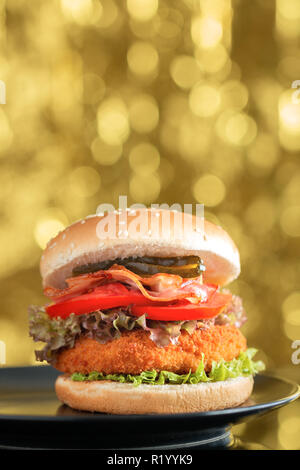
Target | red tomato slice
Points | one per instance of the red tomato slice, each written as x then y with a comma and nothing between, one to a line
116,294
184,310
103,297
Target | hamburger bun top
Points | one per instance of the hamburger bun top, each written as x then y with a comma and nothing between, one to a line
147,233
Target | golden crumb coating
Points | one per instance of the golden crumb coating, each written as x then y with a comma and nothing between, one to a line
135,352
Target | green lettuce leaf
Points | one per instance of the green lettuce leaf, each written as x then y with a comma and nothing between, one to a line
105,326
56,332
241,366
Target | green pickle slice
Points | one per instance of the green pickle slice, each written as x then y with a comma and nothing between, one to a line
184,266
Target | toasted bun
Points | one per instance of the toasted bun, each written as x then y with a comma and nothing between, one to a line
83,243
120,398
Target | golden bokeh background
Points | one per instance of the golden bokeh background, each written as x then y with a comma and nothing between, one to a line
164,101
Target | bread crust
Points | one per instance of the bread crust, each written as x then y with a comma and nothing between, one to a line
134,352
123,398
79,244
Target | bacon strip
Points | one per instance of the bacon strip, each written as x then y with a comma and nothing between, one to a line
78,285
159,287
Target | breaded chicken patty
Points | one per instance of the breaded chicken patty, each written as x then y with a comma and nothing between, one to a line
134,352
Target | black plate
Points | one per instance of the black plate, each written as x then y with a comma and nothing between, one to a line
32,417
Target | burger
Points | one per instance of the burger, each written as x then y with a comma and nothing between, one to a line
140,322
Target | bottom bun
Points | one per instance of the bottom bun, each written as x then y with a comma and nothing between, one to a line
125,398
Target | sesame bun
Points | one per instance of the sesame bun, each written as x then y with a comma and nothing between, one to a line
123,398
83,242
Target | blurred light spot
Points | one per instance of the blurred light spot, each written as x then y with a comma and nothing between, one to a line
289,112
82,11
104,153
287,27
214,60
291,424
142,10
185,71
145,189
204,100
142,58
289,10
6,135
206,32
169,30
143,113
236,128
85,181
290,221
234,95
216,8
291,331
209,190
289,121
293,318
109,14
260,215
291,315
144,159
145,30
49,224
194,138
240,129
112,118
291,303
263,154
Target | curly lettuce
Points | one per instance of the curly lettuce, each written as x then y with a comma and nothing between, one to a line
60,333
233,314
220,371
55,332
104,326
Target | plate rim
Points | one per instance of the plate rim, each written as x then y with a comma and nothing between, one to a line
230,412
